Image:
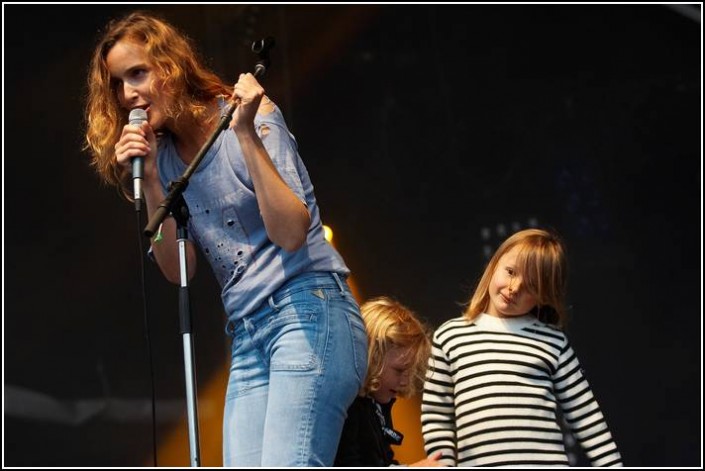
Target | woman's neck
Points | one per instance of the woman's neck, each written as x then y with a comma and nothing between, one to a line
190,134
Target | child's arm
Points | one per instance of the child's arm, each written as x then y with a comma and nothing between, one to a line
583,413
437,408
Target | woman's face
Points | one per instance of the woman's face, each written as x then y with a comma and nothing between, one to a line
136,82
508,294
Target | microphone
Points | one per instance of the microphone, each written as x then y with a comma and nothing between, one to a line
137,117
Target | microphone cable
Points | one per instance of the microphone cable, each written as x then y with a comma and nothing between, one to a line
147,335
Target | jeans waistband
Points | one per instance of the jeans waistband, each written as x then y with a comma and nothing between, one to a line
318,279
322,280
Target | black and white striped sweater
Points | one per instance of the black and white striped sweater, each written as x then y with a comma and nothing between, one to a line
492,392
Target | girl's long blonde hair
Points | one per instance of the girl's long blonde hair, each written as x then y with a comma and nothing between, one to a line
542,263
182,77
389,325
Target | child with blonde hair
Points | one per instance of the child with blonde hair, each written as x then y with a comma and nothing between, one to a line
500,372
398,352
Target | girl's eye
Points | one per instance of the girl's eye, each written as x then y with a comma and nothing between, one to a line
511,271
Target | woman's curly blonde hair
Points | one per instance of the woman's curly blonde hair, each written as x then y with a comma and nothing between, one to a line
182,77
389,325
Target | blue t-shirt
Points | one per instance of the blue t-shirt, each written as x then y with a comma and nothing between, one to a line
226,222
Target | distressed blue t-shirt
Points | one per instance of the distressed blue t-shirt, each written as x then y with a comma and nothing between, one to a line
226,222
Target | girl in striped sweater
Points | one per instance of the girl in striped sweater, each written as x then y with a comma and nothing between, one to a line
499,373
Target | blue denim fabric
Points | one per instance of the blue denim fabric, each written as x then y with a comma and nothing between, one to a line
297,364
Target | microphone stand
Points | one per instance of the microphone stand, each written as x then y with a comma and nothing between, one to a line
175,204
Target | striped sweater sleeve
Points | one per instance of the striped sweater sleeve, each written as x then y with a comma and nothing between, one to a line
437,406
582,411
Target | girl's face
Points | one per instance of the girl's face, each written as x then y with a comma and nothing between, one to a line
396,374
133,75
508,295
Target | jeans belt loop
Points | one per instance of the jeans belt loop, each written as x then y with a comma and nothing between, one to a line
339,281
270,300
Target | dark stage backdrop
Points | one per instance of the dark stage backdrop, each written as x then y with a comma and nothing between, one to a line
431,133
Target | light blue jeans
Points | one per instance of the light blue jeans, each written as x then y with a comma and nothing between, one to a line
297,364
